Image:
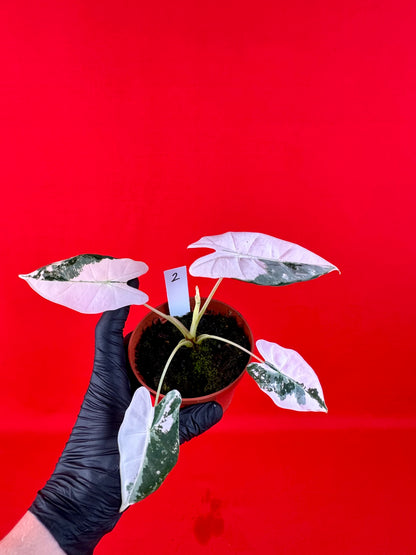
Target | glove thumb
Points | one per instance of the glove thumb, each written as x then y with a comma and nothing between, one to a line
109,330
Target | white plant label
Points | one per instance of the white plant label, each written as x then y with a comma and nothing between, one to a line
176,281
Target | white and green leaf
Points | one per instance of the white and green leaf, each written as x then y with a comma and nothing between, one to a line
257,258
287,378
89,283
148,442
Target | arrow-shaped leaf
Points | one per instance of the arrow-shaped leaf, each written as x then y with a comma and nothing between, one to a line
257,258
148,442
287,378
89,283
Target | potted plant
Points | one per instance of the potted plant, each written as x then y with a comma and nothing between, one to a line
207,371
95,283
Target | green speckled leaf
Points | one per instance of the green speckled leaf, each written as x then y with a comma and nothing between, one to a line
287,378
257,258
89,283
149,445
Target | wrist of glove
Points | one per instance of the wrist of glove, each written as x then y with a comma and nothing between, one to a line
81,500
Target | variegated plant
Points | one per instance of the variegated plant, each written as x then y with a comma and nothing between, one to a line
148,437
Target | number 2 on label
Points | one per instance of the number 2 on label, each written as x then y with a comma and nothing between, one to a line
175,277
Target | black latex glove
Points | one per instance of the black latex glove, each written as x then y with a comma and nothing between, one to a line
81,500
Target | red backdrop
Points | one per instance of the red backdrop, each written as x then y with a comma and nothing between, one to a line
135,128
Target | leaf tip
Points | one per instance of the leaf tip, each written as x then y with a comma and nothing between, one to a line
192,245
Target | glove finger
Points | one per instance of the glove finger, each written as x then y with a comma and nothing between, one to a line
109,332
197,419
109,329
109,385
134,382
133,283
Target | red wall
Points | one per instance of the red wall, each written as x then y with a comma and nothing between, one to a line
134,128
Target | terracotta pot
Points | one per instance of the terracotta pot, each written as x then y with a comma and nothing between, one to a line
224,396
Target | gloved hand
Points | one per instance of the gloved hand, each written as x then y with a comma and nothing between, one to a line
81,500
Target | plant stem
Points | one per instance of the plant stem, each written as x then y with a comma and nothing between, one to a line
184,331
207,336
196,317
181,343
208,300
195,314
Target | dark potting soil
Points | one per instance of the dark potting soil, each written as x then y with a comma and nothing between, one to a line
197,371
